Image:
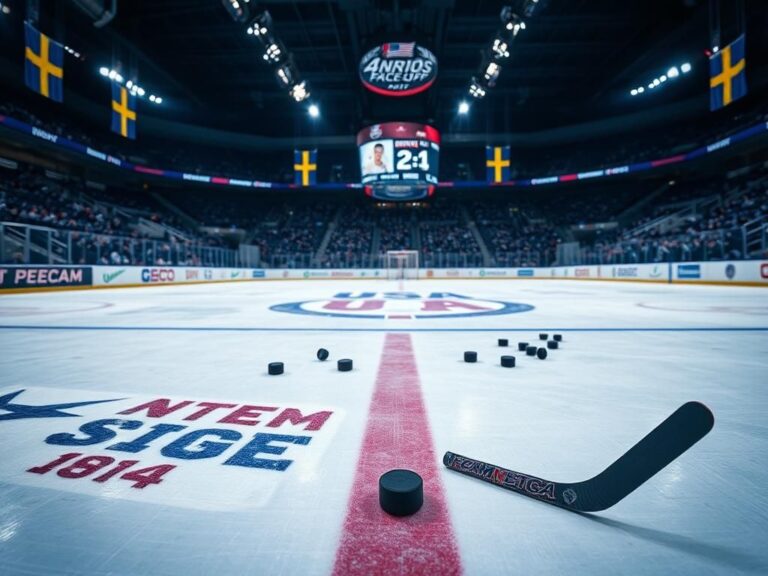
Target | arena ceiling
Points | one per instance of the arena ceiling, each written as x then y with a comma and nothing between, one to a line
576,60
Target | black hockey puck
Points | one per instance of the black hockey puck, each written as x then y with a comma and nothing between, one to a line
521,346
531,350
401,492
543,336
508,361
470,356
322,354
558,337
275,368
503,342
552,344
541,353
344,365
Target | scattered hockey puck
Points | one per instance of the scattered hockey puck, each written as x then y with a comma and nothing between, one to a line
558,337
543,336
552,344
508,361
470,356
541,353
322,354
401,492
344,365
521,346
531,350
275,368
503,342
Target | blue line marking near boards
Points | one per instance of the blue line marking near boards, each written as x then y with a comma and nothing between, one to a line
274,329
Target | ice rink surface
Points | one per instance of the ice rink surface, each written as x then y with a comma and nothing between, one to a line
238,472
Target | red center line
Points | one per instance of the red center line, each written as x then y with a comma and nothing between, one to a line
397,435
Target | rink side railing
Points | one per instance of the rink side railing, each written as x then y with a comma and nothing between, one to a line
26,278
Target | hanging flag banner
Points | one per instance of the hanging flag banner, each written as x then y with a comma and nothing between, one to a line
305,167
727,76
123,112
43,64
497,163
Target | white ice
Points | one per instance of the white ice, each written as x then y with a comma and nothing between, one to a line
632,353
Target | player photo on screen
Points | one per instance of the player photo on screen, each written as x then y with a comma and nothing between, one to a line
376,157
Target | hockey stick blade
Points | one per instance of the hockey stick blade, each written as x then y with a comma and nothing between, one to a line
686,426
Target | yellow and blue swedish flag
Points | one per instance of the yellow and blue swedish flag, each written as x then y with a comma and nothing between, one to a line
497,162
305,167
43,64
727,76
123,112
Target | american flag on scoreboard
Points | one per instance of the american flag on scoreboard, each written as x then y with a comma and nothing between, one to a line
398,50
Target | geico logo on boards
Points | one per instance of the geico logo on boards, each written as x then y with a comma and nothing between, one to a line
158,275
401,305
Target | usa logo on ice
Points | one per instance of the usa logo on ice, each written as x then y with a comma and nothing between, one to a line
401,306
215,455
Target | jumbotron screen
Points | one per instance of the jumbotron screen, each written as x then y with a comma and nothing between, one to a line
398,160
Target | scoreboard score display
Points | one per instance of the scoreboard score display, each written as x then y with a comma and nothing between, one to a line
399,160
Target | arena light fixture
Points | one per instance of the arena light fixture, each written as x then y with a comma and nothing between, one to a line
463,107
260,25
476,90
5,9
273,53
299,92
237,9
492,72
672,73
104,71
500,49
314,111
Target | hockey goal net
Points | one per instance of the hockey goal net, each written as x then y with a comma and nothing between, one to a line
402,264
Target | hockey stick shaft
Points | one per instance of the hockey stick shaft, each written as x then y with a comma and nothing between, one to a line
681,430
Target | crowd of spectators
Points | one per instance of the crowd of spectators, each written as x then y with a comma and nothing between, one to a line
351,242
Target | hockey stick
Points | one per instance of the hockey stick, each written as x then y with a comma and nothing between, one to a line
686,426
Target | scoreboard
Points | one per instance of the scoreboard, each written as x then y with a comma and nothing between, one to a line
399,160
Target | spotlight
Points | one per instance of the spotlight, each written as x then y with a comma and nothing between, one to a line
299,92
285,74
640,90
500,49
476,90
237,9
104,71
715,49
158,100
685,68
633,91
492,72
112,75
5,9
129,84
663,78
651,86
260,25
273,53
314,111
673,72
463,107
141,92
151,97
